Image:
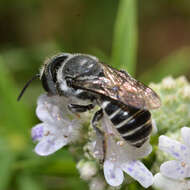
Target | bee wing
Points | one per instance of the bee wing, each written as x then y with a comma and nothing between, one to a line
120,86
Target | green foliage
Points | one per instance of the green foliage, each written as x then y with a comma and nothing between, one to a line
7,158
21,116
172,115
33,30
27,182
175,110
125,37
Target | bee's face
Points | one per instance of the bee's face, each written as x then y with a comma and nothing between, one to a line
83,66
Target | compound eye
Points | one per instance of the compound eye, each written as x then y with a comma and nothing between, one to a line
48,84
44,83
69,81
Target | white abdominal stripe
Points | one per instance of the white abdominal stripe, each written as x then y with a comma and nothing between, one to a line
133,124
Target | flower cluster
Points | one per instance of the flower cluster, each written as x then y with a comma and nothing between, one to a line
180,168
164,183
174,112
60,127
106,156
175,172
121,157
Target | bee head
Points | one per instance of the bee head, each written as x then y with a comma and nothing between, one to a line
81,65
74,66
49,73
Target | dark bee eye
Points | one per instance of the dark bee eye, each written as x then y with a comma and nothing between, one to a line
55,65
69,81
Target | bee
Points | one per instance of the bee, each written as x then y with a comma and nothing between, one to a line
124,100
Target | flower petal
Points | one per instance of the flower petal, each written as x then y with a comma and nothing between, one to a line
37,132
72,130
50,114
139,172
164,183
174,148
134,153
113,174
53,109
175,169
42,113
49,145
185,133
59,101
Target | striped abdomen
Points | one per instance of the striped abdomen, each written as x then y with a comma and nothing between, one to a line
133,124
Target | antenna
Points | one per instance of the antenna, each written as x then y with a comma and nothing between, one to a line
26,85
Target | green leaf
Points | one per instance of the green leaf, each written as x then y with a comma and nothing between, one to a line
125,37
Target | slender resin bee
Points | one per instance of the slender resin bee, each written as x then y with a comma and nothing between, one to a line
123,99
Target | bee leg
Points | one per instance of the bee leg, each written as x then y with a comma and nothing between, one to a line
100,134
80,108
97,116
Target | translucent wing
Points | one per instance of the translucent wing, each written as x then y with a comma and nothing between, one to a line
120,86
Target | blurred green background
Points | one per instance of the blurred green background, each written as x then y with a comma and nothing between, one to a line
150,39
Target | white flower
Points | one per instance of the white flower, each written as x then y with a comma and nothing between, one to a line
57,128
87,169
169,83
121,157
179,168
60,127
163,183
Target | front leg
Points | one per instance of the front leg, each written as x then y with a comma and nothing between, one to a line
75,108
